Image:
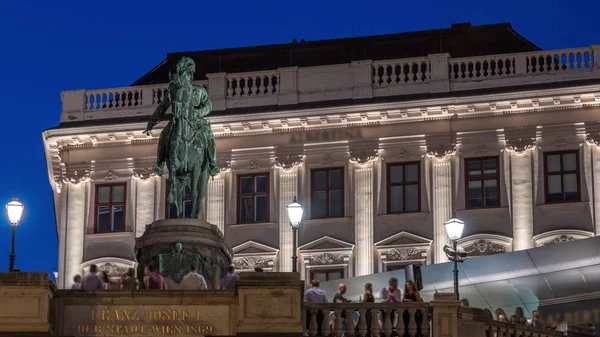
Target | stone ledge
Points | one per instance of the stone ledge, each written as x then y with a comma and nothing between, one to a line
25,279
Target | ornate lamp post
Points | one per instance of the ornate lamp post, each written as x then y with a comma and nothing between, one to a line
454,228
14,210
295,211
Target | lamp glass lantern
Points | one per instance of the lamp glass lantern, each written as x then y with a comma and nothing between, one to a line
454,228
295,211
14,209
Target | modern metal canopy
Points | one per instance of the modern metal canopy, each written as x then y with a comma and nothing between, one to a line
522,278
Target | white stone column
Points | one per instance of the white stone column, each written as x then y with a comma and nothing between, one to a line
288,189
442,206
363,219
145,205
596,186
215,202
62,234
522,200
75,231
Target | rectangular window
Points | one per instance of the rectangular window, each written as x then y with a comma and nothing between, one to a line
562,177
171,210
404,188
482,181
327,187
327,275
253,198
110,208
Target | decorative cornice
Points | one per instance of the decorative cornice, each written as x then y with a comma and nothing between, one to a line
287,163
327,259
559,239
520,146
441,152
143,174
561,143
364,157
250,262
482,149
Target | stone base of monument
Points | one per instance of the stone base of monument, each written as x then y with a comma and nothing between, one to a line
173,245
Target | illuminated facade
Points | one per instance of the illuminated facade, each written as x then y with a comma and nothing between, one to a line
380,138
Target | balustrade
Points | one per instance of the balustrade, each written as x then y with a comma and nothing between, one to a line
363,319
410,76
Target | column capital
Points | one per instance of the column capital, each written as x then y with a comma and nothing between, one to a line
520,146
593,139
441,152
289,162
362,158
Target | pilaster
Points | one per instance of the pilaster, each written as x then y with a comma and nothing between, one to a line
593,144
215,202
442,205
145,199
216,90
288,189
74,231
521,186
363,218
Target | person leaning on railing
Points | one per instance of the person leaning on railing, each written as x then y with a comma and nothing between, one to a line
390,294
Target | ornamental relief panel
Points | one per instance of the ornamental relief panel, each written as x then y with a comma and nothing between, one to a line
288,163
484,247
404,254
251,262
559,239
326,259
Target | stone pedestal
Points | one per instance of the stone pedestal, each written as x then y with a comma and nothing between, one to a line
25,304
270,304
173,245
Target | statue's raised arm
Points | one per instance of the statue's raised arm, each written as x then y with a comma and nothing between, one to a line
159,112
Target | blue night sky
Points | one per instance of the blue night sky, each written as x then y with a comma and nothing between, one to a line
50,46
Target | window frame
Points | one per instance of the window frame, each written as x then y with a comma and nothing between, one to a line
342,272
240,195
577,172
168,205
110,204
389,185
481,179
327,189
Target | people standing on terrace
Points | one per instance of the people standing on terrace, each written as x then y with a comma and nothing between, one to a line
193,281
390,294
411,293
228,282
76,282
518,317
501,315
129,282
104,276
92,281
154,280
339,298
314,294
367,297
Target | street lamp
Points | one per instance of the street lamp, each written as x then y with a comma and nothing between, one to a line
295,211
14,210
454,228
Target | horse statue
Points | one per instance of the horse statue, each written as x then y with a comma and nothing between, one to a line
186,144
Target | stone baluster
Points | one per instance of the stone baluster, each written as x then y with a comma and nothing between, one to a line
362,322
313,328
337,325
388,321
412,322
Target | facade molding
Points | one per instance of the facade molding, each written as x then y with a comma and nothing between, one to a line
288,163
326,253
251,254
485,244
560,236
402,248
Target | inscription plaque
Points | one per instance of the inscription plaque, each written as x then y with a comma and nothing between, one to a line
146,320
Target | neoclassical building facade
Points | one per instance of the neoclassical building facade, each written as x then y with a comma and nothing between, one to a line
381,139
